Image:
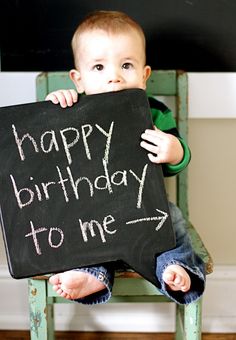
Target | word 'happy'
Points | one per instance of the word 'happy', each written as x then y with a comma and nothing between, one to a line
49,141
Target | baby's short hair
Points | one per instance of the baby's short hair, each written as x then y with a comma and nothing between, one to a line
110,21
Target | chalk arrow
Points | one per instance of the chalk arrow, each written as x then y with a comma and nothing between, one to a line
162,219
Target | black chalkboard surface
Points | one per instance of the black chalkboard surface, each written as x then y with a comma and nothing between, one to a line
77,189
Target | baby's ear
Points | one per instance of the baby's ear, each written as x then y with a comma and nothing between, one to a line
76,78
146,73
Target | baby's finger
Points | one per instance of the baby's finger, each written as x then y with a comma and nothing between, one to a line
154,139
74,95
149,147
57,97
53,98
154,132
62,98
70,97
154,159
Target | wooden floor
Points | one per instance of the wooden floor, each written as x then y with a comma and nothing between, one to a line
24,335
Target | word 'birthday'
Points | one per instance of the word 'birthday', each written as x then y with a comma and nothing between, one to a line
25,196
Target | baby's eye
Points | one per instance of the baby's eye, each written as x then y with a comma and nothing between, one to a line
98,67
127,66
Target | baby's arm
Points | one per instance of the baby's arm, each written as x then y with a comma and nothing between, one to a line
165,147
63,97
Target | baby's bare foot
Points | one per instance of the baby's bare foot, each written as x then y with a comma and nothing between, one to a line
75,284
176,278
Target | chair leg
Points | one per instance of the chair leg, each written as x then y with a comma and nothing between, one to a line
41,311
179,322
189,321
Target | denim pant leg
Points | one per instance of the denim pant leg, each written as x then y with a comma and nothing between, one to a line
183,255
103,273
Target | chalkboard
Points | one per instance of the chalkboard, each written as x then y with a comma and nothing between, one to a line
77,189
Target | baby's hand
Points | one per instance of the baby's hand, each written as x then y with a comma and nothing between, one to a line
63,97
165,147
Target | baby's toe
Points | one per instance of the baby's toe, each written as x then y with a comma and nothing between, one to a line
168,276
54,279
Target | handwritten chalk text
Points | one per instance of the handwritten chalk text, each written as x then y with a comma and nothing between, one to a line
69,136
103,229
41,191
52,230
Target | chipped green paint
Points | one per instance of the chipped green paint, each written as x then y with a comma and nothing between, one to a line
35,321
34,291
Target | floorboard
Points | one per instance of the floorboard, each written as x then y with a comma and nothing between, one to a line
24,335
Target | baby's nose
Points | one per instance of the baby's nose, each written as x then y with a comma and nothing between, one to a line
114,76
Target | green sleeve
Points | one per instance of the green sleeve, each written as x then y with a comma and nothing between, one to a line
163,119
170,169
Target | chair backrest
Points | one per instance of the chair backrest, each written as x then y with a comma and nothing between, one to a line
161,83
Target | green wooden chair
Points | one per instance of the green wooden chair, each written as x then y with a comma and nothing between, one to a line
128,286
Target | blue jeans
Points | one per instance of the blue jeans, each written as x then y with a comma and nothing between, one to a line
182,255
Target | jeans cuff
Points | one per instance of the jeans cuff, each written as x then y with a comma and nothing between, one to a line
104,276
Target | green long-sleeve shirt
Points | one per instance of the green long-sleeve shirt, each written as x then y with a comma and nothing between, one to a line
164,120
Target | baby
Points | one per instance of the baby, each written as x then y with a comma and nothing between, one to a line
109,55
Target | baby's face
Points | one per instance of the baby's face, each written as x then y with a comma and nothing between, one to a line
110,62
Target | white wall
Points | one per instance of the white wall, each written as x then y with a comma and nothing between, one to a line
17,88
211,95
212,187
